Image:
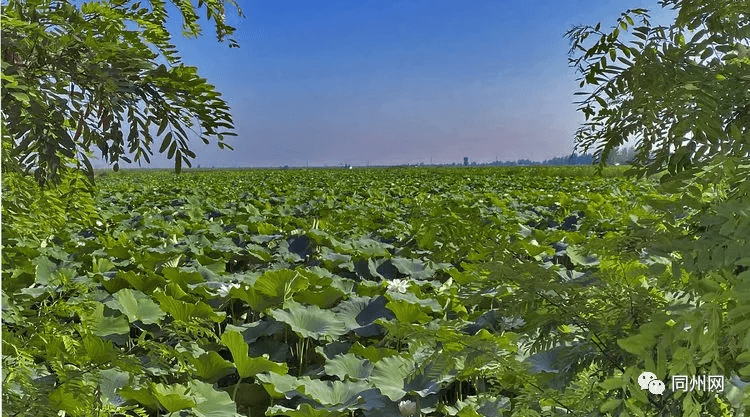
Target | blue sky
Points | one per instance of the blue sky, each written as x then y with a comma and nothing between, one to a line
397,82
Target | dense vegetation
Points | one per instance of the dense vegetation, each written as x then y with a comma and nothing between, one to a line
104,75
525,292
465,291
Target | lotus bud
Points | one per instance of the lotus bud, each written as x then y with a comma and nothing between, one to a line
407,408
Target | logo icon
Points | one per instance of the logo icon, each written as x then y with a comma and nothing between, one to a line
647,380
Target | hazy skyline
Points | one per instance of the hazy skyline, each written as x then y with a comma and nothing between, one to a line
396,82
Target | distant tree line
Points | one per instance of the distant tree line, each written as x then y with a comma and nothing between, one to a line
618,156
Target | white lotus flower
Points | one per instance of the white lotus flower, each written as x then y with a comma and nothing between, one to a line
224,288
398,285
407,408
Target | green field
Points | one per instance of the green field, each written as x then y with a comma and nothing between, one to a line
364,292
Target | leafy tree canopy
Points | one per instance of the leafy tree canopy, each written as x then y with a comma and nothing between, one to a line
680,91
682,94
104,75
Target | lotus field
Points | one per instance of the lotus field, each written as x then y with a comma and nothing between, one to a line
365,292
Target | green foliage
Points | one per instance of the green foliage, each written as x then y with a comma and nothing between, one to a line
261,292
76,77
137,306
247,366
523,292
310,321
681,92
37,214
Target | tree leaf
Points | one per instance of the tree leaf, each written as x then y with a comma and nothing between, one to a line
162,126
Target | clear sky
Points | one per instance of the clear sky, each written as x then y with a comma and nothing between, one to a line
397,82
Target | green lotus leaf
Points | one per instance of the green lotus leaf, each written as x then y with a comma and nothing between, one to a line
281,283
359,313
264,228
254,298
303,410
310,321
247,366
173,397
110,381
579,258
101,325
143,396
388,376
101,265
348,366
44,269
369,248
324,297
184,311
482,405
385,408
140,281
333,260
280,386
210,270
333,349
258,329
182,277
348,310
137,306
210,366
416,269
407,312
346,285
210,402
412,298
382,268
225,245
334,393
372,353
